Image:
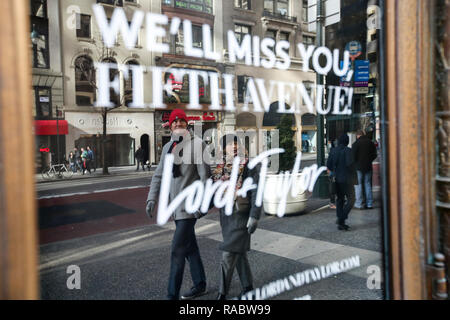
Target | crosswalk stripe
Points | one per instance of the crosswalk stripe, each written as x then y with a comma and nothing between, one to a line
94,191
300,249
297,248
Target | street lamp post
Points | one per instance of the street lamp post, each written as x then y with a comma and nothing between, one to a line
321,189
57,136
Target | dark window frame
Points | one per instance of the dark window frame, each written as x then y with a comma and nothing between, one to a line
43,2
241,87
39,24
79,30
239,34
239,4
39,113
82,82
191,4
274,8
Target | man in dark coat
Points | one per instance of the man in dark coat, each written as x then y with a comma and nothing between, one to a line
364,153
139,155
340,162
78,161
184,242
237,227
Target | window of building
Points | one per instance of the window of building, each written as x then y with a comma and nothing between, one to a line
243,4
83,26
38,8
241,30
242,87
308,40
305,11
112,2
180,88
177,44
128,84
43,103
84,81
39,34
280,7
272,34
113,72
284,36
308,86
198,5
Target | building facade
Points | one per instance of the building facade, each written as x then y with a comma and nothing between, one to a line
47,83
280,20
82,46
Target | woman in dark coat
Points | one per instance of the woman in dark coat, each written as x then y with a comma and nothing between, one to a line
237,227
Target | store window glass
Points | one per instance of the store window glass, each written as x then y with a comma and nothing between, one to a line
114,84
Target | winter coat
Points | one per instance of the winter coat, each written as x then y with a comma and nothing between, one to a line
78,156
234,227
139,154
196,169
340,162
364,153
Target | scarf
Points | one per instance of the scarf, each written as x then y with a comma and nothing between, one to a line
176,172
223,171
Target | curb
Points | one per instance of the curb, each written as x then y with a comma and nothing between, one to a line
95,176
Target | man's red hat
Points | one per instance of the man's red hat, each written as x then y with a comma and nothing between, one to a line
177,114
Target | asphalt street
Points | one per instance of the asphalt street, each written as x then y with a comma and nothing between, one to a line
99,224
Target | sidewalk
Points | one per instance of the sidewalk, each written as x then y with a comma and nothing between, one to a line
113,171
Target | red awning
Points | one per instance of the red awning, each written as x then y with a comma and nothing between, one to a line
49,127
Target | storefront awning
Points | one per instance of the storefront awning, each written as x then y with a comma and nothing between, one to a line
51,127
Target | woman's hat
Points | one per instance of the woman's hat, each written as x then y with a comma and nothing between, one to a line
177,114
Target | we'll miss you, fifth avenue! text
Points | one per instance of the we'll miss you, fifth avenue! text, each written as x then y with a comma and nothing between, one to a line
252,51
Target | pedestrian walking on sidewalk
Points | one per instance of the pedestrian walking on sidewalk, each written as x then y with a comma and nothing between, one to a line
91,159
84,159
237,227
364,153
78,160
72,162
139,155
185,172
340,161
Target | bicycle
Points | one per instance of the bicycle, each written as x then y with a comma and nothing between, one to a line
57,170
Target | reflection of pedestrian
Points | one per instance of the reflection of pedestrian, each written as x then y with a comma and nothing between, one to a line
340,162
91,158
77,158
85,161
184,243
237,227
139,155
364,153
72,162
